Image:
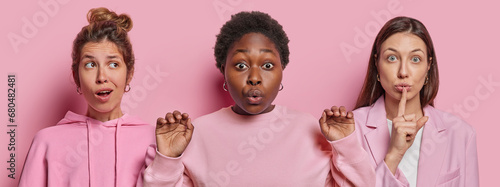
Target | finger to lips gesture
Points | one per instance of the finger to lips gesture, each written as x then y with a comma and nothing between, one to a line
336,123
173,133
404,129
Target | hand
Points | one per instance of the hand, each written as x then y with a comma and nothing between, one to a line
336,123
173,133
404,130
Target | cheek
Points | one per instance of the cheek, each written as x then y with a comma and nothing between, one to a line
273,78
386,76
118,78
235,80
85,79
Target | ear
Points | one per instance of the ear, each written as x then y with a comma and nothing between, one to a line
429,64
75,78
223,70
130,75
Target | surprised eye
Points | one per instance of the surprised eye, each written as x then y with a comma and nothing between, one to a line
89,65
268,65
415,59
392,58
113,65
241,66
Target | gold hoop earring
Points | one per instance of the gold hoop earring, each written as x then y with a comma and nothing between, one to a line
224,86
281,88
426,80
127,90
378,77
78,91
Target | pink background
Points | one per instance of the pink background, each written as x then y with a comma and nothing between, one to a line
177,39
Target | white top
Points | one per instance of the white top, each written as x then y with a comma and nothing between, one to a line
409,163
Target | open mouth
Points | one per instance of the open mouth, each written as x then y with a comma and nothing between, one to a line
104,93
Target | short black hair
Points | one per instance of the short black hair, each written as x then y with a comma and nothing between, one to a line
250,22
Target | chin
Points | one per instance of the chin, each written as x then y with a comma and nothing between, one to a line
256,109
103,109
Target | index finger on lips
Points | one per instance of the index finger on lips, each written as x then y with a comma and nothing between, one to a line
402,103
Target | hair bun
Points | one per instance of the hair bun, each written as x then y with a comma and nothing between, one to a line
103,14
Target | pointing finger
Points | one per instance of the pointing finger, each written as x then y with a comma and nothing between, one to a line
402,103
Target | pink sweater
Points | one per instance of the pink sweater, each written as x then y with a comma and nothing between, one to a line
280,148
81,151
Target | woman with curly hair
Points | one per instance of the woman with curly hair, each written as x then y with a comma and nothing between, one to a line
254,142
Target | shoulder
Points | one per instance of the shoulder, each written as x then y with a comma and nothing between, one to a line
54,133
449,121
284,110
219,115
297,119
361,114
136,123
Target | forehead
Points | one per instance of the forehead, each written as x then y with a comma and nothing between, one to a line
254,40
404,42
105,47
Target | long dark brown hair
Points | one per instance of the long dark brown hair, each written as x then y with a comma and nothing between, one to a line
372,89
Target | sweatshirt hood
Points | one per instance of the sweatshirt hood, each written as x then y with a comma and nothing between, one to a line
92,126
72,118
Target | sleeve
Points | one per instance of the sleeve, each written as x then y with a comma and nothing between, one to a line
471,167
35,169
164,171
386,178
351,163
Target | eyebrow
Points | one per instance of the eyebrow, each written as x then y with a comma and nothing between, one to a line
261,50
415,50
88,56
92,57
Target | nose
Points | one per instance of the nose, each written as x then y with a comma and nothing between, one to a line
254,77
403,70
101,76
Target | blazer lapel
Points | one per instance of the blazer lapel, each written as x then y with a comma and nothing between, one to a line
432,149
378,139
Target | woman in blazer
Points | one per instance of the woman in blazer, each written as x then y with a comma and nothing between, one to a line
411,142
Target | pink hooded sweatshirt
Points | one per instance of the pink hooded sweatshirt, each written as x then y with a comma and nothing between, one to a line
82,151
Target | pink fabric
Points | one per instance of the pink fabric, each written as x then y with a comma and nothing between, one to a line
280,148
448,154
81,151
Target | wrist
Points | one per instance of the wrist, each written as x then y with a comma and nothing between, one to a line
392,161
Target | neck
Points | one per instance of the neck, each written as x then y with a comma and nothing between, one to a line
236,109
412,107
104,116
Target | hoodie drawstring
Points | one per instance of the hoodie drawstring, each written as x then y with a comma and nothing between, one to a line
88,151
117,134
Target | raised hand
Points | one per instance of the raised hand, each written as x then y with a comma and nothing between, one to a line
173,133
336,123
404,129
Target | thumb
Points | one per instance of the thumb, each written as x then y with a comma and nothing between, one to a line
323,118
189,129
421,122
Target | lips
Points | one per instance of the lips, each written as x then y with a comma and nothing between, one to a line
254,96
104,94
402,86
